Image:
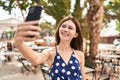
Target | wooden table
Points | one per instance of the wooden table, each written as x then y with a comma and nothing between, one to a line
110,59
39,48
107,55
91,70
108,50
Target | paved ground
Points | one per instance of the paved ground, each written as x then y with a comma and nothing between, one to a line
12,72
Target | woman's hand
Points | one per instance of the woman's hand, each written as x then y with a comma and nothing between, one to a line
24,30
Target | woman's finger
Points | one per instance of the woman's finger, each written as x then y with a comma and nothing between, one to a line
28,33
29,23
27,39
29,27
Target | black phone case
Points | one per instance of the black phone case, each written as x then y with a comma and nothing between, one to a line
34,13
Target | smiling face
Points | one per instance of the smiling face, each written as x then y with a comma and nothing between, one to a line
67,30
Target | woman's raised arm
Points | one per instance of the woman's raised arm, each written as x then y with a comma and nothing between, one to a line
22,34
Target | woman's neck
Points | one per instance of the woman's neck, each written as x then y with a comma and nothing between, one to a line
64,47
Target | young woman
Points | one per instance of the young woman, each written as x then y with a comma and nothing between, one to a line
66,60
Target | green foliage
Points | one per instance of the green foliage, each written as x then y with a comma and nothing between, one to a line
78,13
47,27
88,64
7,5
60,8
57,8
112,10
118,26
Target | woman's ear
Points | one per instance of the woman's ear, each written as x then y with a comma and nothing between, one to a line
76,34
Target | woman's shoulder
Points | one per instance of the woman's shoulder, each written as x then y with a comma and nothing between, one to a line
79,53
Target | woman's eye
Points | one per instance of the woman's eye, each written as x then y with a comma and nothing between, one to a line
70,28
63,26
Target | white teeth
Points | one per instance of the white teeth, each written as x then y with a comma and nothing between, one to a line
65,34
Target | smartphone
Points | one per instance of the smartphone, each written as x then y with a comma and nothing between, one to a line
34,14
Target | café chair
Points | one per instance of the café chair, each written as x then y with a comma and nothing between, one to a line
45,71
104,77
27,66
116,66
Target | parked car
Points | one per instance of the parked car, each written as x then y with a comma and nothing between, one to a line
116,42
118,47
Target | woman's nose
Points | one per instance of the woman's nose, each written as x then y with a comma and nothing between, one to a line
66,29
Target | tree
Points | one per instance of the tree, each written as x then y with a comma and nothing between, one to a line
57,8
60,8
9,5
95,18
118,26
47,27
78,13
112,10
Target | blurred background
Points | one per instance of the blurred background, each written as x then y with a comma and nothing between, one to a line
99,20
